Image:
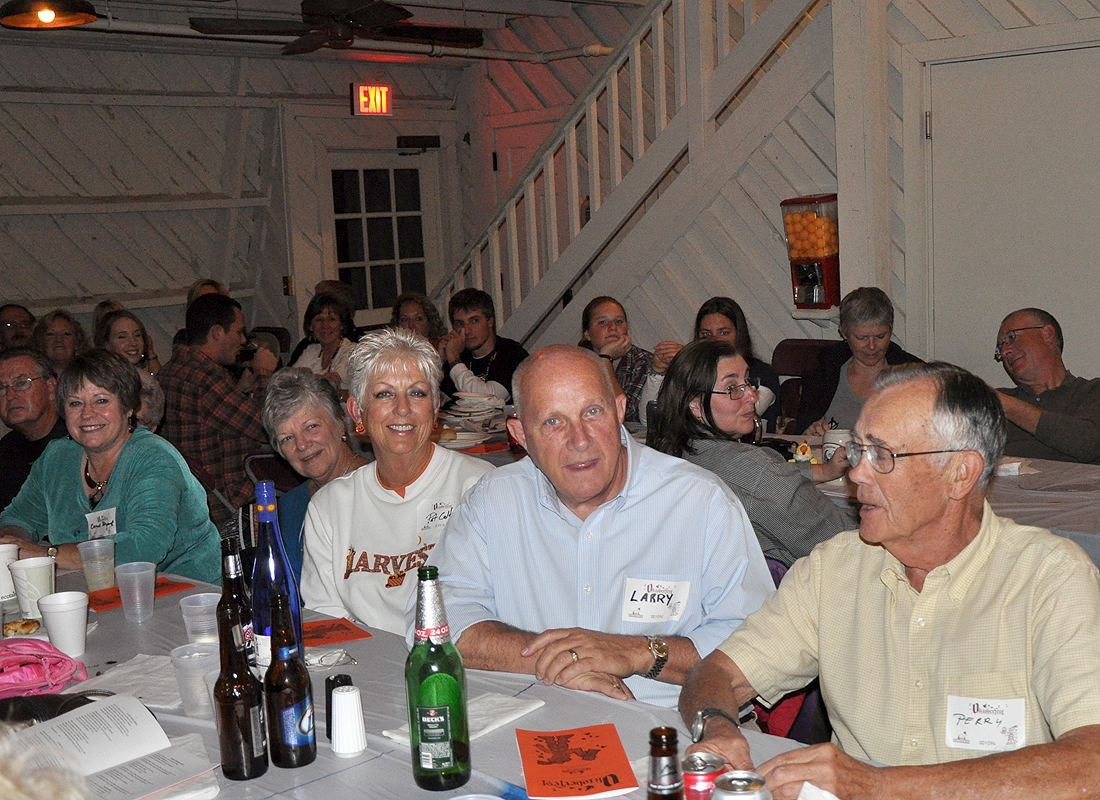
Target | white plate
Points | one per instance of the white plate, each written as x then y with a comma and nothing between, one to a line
475,396
41,634
478,425
465,439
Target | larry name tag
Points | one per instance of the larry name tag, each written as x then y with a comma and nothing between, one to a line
975,724
654,601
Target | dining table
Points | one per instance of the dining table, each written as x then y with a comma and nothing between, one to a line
376,665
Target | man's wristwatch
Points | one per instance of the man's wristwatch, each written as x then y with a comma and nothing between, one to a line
659,649
51,551
699,724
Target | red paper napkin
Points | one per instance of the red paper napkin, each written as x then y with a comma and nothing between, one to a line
105,599
323,632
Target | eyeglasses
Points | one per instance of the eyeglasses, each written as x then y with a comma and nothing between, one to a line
19,384
881,459
1011,337
23,326
737,391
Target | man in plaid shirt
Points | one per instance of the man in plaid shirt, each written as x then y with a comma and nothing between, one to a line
206,416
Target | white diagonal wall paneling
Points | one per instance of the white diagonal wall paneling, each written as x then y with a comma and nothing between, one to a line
713,235
129,175
913,21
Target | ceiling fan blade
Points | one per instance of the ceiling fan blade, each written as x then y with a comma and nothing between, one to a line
232,26
427,34
307,43
377,14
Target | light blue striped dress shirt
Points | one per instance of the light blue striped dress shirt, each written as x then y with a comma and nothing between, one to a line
513,552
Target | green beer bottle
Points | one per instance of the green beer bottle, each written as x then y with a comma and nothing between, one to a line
435,685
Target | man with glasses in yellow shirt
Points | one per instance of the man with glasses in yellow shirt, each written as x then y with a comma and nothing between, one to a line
958,648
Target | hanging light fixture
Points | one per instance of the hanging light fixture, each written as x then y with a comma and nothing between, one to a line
38,14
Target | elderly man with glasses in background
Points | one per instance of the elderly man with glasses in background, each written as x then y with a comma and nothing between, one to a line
16,324
959,649
1051,412
27,407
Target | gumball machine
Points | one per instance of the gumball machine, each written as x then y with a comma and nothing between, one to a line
813,246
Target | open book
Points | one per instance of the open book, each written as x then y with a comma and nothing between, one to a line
118,746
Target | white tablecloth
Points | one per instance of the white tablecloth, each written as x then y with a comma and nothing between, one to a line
384,770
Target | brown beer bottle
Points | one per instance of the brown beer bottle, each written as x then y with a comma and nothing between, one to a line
238,696
291,737
666,781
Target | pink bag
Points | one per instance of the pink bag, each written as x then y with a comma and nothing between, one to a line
31,666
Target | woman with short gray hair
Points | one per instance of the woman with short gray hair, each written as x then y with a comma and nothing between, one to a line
365,533
834,391
304,420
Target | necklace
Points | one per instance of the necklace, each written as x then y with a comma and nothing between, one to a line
99,486
351,466
485,375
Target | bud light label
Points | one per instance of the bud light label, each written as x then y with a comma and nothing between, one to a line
297,723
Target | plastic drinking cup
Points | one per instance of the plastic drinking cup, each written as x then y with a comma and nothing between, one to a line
33,578
200,616
135,586
66,618
8,554
98,558
192,662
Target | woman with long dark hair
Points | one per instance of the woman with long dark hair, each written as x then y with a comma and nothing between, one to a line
704,407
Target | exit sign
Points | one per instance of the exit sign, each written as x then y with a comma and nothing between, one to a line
370,101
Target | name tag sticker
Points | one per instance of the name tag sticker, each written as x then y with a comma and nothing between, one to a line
101,523
654,601
433,515
976,724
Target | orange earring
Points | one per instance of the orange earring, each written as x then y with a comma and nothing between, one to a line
360,428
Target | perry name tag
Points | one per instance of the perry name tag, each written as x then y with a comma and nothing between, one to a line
101,523
976,724
433,514
654,601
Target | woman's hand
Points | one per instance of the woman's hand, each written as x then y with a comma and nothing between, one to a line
819,428
617,348
663,354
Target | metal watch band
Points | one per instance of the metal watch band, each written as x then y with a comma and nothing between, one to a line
659,648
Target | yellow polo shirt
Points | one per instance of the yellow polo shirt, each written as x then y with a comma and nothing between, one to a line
1015,616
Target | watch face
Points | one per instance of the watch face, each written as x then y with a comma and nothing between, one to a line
698,726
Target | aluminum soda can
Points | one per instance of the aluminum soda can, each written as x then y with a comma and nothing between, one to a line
700,770
740,784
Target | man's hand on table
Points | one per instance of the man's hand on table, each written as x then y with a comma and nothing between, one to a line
826,767
724,739
602,682
555,662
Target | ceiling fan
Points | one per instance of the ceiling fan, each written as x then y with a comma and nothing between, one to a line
337,23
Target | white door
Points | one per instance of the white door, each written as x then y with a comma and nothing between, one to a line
1015,202
386,227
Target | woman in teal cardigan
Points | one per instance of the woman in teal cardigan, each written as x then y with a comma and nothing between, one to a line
112,478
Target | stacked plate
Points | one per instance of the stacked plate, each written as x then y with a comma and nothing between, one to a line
476,409
464,439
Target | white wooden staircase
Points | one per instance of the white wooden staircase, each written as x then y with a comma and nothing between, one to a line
661,185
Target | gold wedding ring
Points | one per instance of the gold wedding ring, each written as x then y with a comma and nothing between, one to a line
573,653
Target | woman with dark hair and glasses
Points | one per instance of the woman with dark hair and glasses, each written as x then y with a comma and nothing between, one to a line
138,485
705,405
